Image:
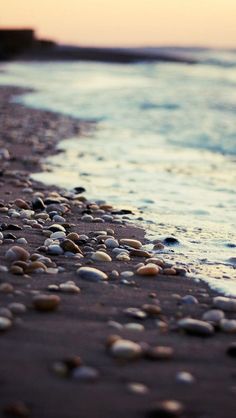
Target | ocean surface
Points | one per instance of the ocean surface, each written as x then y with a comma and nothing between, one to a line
164,146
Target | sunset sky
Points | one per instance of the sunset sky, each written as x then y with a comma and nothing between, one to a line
126,22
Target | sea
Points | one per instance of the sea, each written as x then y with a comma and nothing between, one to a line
164,146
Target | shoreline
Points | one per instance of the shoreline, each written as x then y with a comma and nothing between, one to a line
35,341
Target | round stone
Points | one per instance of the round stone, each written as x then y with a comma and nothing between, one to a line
228,325
126,350
58,235
214,316
69,245
126,274
17,308
5,323
139,253
73,236
56,227
131,243
185,377
46,303
36,266
69,288
137,388
123,257
91,274
6,288
111,243
16,253
166,409
21,241
231,350
159,353
196,327
151,310
6,313
132,326
16,270
20,203
224,303
189,300
55,249
135,313
85,374
100,256
148,270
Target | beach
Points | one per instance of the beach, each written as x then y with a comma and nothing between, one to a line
105,342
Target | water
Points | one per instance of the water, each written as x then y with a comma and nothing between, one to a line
165,146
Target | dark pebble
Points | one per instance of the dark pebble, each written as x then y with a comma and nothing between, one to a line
231,350
166,409
171,241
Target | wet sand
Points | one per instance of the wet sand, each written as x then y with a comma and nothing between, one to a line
36,341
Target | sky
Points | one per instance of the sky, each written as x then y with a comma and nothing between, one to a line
126,22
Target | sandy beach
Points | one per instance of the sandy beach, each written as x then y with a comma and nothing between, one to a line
121,339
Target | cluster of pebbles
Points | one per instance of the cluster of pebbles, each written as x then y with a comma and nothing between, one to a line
54,234
46,215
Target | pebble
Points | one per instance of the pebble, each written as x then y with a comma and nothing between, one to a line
16,270
111,243
73,236
17,308
69,288
185,377
91,274
123,257
126,350
231,350
56,227
137,388
126,274
6,288
214,316
6,313
166,409
140,253
159,353
117,251
21,241
151,310
38,204
17,253
46,303
224,303
196,327
171,241
55,249
85,374
135,313
57,235
101,256
36,266
148,270
5,323
228,325
131,243
132,326
114,324
189,300
70,246
20,203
